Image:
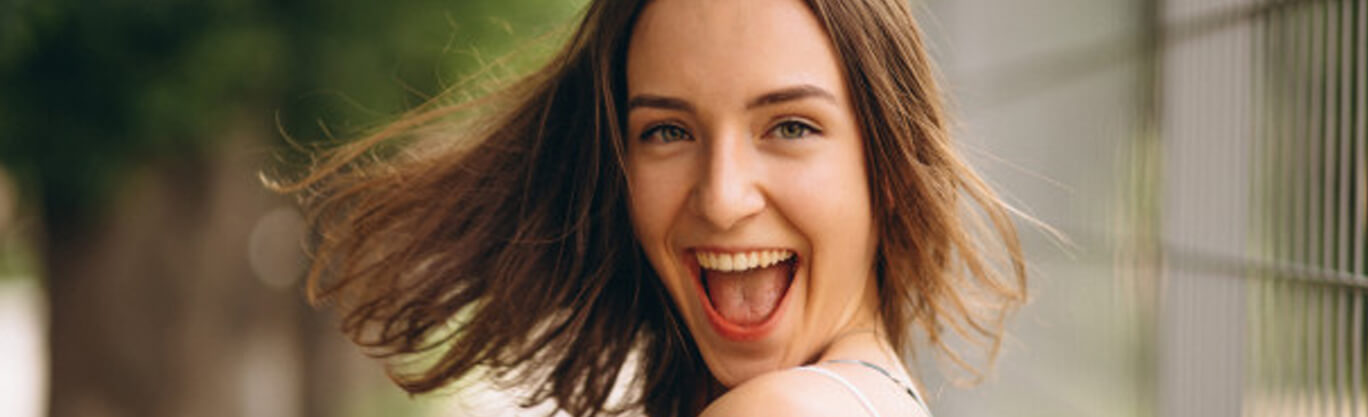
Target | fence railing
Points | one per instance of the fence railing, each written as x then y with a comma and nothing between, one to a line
1262,119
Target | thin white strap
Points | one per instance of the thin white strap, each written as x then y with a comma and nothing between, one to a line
909,387
849,386
921,402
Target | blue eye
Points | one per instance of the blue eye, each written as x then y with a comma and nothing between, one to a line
793,129
665,133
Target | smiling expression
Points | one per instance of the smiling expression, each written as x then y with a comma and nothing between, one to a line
748,186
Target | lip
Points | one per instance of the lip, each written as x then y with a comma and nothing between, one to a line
727,329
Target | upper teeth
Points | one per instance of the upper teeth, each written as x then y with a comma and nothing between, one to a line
728,262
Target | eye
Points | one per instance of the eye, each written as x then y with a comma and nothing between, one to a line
792,129
665,133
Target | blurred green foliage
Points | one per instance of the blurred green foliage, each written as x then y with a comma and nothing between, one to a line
89,90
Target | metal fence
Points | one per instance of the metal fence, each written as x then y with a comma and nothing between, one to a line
1263,129
1209,158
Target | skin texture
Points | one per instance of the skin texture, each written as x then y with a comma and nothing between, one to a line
736,166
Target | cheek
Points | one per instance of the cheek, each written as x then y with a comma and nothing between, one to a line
829,202
651,203
837,222
657,196
658,193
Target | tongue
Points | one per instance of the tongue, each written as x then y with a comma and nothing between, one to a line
747,298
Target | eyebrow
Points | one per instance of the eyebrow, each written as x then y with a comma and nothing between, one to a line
659,102
787,94
797,92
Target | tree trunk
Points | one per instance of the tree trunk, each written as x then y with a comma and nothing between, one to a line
157,310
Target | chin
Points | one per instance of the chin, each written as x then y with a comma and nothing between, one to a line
733,373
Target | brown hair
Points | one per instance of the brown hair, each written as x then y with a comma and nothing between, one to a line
510,250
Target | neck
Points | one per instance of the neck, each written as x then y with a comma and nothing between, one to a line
861,331
869,344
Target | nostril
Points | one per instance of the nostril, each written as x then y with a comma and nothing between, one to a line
724,208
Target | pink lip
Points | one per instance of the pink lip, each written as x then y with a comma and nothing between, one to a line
727,329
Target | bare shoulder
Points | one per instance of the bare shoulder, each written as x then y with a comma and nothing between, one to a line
790,392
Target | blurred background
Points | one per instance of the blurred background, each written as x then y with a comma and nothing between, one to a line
1205,157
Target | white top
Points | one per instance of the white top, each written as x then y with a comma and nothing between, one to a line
864,401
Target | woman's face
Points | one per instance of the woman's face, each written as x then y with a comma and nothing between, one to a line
748,186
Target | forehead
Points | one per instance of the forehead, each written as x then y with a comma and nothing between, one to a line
721,49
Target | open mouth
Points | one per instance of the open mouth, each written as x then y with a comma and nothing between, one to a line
744,290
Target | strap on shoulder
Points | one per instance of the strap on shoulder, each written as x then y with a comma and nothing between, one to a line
909,388
869,407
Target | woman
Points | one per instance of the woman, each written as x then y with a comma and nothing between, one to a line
758,201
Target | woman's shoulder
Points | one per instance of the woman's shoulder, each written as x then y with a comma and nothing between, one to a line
790,392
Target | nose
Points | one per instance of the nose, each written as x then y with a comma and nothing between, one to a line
729,191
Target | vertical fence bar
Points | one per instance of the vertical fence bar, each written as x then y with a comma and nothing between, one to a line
1315,190
1345,137
1343,406
1246,279
1360,398
1254,390
1293,49
1360,133
1286,294
1235,174
1310,175
1269,398
1323,122
1332,220
1315,136
1272,399
1254,377
1310,145
1311,140
1341,225
1360,248
1284,243
1303,50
